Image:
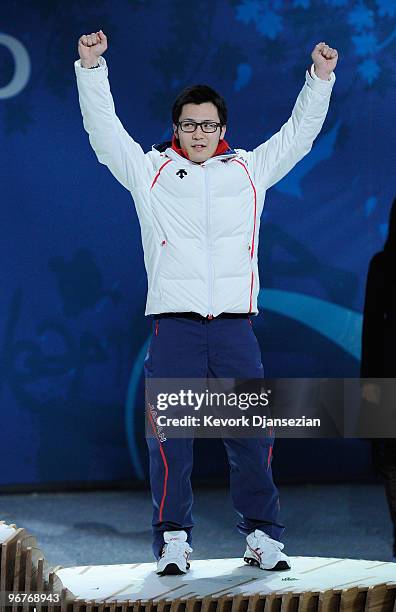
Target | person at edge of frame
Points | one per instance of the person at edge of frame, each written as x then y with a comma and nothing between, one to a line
378,363
199,203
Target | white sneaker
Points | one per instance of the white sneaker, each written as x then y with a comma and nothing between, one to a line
264,552
174,555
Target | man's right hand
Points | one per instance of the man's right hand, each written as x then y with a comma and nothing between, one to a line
91,47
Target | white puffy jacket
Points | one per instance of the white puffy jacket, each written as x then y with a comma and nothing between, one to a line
200,227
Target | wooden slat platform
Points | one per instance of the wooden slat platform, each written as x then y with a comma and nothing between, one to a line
313,584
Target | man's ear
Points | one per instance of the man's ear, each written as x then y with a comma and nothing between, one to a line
223,131
175,130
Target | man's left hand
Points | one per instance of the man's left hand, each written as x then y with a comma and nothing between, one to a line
325,60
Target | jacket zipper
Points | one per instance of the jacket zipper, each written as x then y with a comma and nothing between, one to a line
208,246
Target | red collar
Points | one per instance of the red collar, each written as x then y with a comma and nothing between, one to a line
222,147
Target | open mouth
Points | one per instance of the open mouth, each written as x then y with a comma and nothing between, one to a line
198,147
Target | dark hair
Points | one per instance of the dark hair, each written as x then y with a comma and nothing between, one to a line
197,94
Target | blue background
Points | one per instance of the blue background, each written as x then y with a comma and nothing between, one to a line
73,334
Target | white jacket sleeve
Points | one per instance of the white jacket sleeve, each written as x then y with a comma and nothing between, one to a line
113,146
273,159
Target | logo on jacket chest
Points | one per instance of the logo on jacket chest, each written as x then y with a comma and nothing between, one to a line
181,173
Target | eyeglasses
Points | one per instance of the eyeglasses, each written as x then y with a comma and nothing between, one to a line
191,126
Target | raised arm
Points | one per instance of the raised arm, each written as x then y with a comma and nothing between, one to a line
112,144
273,159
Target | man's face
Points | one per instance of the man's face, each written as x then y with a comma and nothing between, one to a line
199,145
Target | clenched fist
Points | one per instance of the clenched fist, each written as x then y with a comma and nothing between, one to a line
325,60
90,47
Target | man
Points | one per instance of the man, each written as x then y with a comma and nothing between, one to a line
199,204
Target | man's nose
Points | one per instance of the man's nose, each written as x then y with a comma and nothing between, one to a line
199,134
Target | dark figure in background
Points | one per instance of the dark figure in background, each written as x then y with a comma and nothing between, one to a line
378,354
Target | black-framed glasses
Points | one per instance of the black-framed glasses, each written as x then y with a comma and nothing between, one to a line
206,126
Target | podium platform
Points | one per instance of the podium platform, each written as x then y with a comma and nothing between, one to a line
215,585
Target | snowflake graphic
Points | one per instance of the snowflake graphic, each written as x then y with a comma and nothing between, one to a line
369,70
267,21
249,11
361,17
365,22
365,43
364,17
244,75
386,8
270,24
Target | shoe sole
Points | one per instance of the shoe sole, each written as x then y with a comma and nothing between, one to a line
281,565
172,569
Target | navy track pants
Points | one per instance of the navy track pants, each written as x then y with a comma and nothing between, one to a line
223,348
